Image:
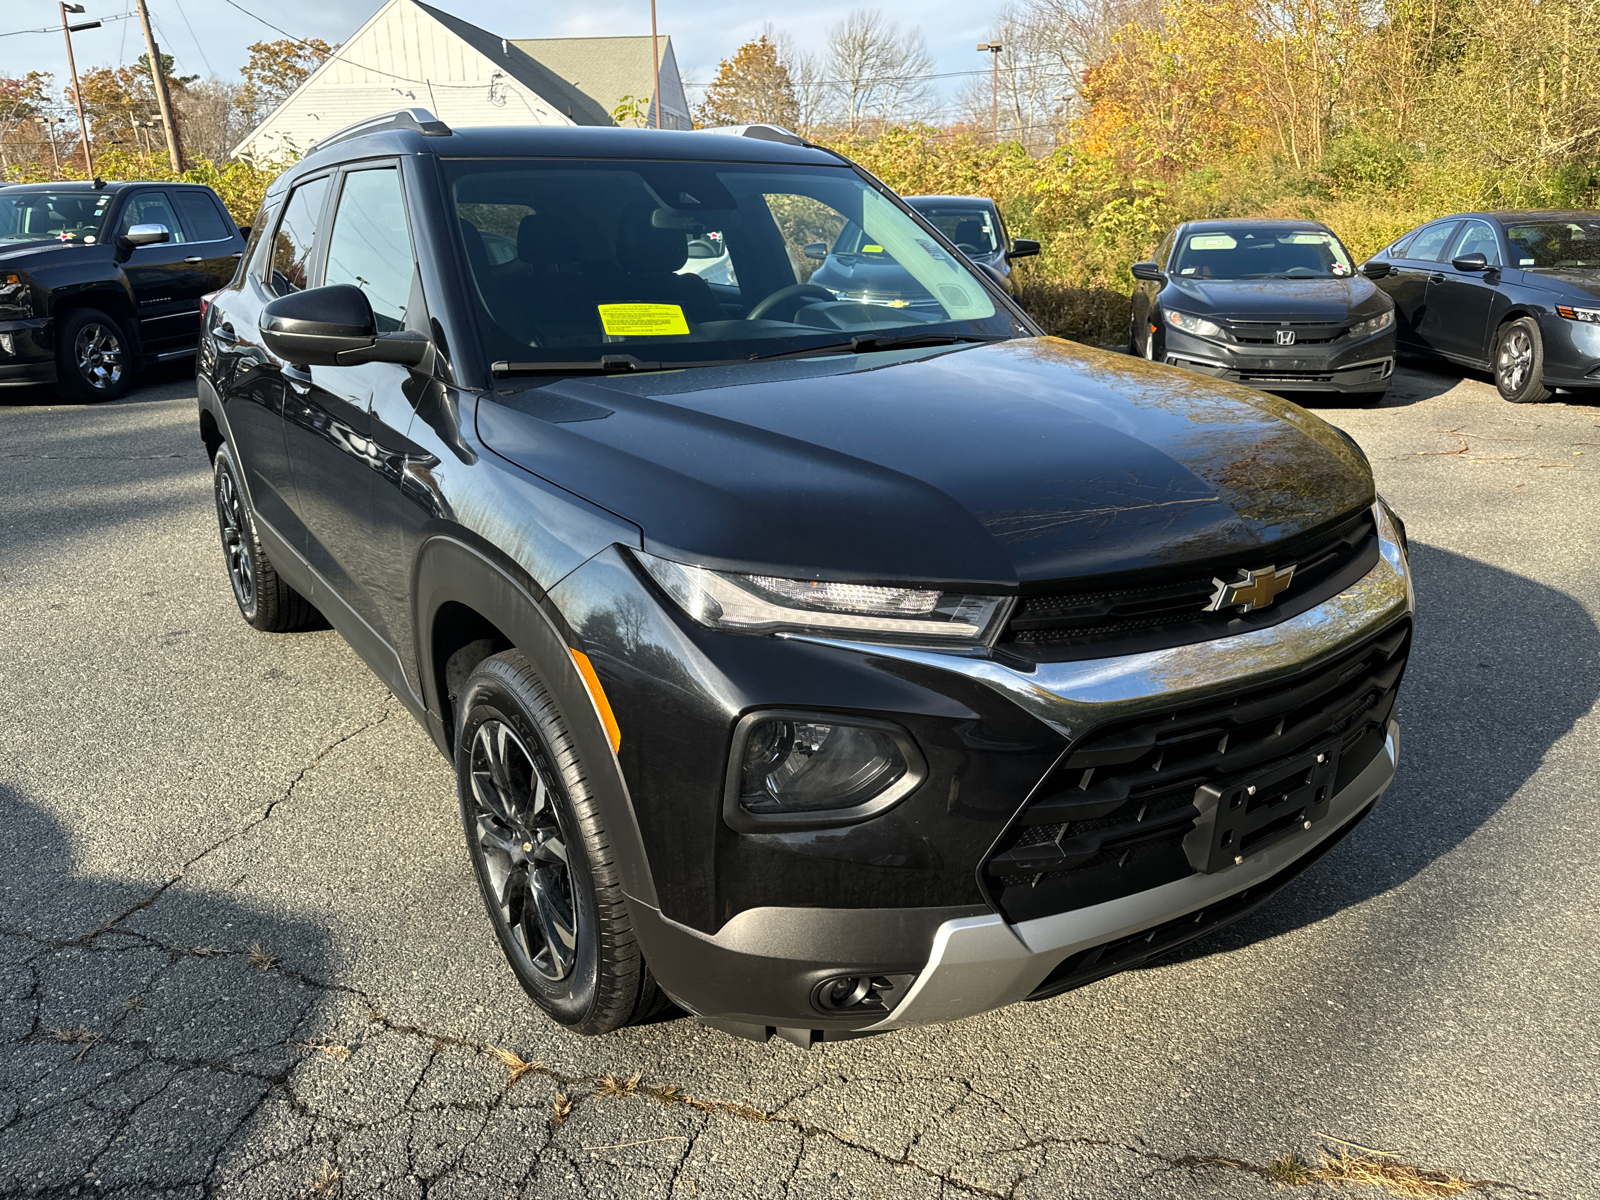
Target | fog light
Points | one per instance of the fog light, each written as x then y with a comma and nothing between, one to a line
808,770
7,346
848,994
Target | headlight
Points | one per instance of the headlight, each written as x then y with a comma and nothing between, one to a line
809,770
1591,315
768,604
1198,326
14,298
1368,327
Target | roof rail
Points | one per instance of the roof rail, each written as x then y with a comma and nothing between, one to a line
766,133
418,119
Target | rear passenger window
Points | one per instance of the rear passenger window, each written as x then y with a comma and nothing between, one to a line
1426,245
289,270
369,247
202,220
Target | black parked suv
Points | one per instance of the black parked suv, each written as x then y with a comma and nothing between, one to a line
98,280
821,666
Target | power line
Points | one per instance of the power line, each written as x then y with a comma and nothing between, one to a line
271,26
57,28
194,39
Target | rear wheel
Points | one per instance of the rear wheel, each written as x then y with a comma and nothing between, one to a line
1519,362
542,856
265,601
92,359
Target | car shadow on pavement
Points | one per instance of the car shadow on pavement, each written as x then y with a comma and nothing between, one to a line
153,383
132,1058
1502,667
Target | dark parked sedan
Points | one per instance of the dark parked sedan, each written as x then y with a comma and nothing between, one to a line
975,225
1273,304
1517,293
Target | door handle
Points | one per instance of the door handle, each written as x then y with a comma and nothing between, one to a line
1436,277
194,259
224,333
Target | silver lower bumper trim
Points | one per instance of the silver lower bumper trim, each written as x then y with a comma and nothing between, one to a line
982,963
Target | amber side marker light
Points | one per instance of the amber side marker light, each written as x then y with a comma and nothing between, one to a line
598,695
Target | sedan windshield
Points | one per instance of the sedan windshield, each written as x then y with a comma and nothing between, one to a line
1257,252
74,216
1555,244
648,263
971,229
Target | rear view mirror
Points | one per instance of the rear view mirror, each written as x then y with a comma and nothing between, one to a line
816,250
1149,272
1470,262
146,235
1375,269
334,327
1023,248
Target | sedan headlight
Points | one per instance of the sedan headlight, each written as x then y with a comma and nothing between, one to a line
769,604
1198,326
1372,325
1590,315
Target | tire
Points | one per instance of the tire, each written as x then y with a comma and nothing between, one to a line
542,856
1149,350
1519,362
93,359
265,601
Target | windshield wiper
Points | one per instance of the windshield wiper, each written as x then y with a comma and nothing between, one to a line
864,343
609,364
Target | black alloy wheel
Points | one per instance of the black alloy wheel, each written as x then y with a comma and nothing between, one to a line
265,601
545,865
524,852
1519,362
92,361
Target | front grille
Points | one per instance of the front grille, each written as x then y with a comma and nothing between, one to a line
1264,333
1111,817
1151,610
1284,377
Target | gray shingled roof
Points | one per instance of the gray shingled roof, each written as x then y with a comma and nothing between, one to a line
577,102
607,68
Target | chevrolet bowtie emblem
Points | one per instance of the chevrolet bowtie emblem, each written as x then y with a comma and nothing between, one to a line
1253,590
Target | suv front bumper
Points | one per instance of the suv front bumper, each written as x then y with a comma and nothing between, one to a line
757,974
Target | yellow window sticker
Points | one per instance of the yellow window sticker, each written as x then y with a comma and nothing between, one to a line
642,320
872,249
1212,241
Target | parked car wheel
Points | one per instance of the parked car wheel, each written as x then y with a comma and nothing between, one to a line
1151,351
544,864
1519,362
92,359
265,601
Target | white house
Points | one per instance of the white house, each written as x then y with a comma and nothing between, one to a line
412,54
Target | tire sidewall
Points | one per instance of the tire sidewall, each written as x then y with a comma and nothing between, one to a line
1532,387
225,464
493,693
70,381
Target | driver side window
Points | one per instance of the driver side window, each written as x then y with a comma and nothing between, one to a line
150,208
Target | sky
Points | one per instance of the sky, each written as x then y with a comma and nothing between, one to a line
208,37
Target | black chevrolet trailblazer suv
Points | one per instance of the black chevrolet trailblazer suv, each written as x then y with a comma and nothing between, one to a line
820,666
99,280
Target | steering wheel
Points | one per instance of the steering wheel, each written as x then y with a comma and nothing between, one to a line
1299,272
966,249
795,291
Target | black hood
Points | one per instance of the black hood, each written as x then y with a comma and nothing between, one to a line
1012,462
1299,300
1583,283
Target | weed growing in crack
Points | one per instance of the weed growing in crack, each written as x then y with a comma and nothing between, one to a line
334,1051
611,1087
1397,1178
666,1094
134,1003
1290,1171
205,952
87,1038
261,959
516,1068
326,1181
560,1109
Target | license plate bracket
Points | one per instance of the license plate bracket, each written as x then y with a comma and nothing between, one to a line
1255,809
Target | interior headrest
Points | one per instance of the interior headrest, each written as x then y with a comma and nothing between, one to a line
546,238
642,249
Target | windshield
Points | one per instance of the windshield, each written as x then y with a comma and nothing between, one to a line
1253,252
971,229
1551,244
64,216
681,262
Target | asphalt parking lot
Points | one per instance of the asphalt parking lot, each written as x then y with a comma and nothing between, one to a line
242,954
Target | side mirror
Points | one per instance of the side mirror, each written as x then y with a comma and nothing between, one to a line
1022,248
1149,272
1471,262
146,235
1375,269
816,250
334,327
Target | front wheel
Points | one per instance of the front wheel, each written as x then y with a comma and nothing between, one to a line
1519,362
92,359
544,864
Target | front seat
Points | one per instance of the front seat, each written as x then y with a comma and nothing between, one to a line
650,259
969,232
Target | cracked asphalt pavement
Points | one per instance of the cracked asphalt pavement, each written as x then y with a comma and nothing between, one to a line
242,955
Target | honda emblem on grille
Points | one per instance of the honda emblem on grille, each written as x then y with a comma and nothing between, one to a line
1252,590
1285,337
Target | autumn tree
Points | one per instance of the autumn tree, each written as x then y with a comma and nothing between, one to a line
751,88
169,67
274,69
25,103
879,72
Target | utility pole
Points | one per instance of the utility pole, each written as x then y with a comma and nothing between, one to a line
993,48
77,93
159,78
655,62
49,124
